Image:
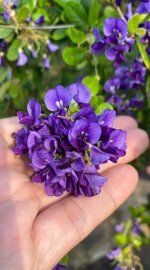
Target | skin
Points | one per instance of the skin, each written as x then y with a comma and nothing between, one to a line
36,231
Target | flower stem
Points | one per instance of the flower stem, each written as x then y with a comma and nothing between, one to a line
119,12
47,27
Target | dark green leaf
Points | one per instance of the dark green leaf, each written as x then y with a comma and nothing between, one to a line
93,12
74,56
12,53
143,53
3,73
4,33
76,14
23,13
76,36
3,89
59,34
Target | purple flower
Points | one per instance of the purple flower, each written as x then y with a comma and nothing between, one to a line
7,16
23,59
1,58
45,62
58,98
119,228
118,3
116,29
112,85
80,93
144,7
60,266
114,254
51,46
40,20
33,113
136,227
33,52
106,118
21,141
98,47
84,132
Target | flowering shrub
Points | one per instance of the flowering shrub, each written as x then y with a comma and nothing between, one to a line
130,237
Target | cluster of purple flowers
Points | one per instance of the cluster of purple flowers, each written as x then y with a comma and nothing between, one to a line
9,14
116,41
123,90
66,146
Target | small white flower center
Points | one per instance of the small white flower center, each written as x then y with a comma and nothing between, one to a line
59,104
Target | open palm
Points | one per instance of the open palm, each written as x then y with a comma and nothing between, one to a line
36,231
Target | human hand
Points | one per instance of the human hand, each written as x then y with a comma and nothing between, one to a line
36,231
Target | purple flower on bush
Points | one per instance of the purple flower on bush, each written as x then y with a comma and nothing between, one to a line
112,85
144,7
45,62
40,20
66,146
114,254
116,41
115,30
23,59
119,228
51,46
118,3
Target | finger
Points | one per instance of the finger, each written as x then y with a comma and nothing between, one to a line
125,122
148,170
137,143
62,226
7,127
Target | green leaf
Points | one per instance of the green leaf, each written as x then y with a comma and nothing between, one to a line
23,13
65,260
33,3
4,33
96,101
3,73
143,53
121,239
61,3
86,4
59,34
92,83
14,91
76,14
140,32
93,12
12,53
3,89
103,107
76,36
109,11
133,23
74,56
